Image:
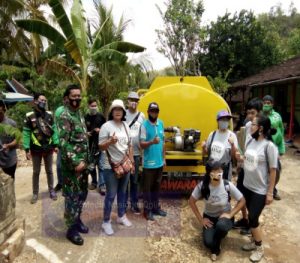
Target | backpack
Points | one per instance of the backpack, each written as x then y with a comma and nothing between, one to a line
227,188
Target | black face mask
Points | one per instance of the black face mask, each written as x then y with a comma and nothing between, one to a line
75,103
255,135
42,106
152,119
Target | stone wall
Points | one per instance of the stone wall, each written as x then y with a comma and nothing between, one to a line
12,230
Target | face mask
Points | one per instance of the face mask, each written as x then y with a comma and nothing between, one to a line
223,125
41,105
93,111
267,108
151,118
75,103
255,135
216,177
132,104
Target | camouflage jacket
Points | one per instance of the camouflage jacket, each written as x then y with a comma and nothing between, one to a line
73,137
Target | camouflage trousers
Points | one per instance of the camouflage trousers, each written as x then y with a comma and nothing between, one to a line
75,193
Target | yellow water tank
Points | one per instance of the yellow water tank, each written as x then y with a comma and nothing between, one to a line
187,103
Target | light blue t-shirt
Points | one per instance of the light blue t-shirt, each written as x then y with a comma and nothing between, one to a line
153,155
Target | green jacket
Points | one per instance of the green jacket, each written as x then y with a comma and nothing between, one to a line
39,132
73,137
278,137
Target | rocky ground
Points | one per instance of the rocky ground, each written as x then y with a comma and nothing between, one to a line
176,238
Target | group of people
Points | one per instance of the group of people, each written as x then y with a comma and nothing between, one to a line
258,158
91,145
87,144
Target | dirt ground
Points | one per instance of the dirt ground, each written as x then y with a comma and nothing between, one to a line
176,238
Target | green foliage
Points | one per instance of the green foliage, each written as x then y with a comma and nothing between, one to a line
12,131
239,43
179,40
18,113
123,96
19,73
294,42
219,83
283,26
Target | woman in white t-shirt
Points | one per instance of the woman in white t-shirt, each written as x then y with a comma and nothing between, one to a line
115,142
217,217
222,144
260,164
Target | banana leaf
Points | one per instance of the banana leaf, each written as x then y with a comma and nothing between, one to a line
124,47
79,27
109,55
43,29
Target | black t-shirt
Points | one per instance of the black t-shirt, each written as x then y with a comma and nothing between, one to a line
92,122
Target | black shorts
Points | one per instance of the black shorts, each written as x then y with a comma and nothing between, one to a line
255,204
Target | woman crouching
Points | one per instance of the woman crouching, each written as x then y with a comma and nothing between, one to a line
217,218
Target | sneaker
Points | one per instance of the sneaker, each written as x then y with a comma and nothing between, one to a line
53,195
213,257
34,199
92,187
149,216
106,226
135,210
276,197
58,187
249,246
257,254
159,212
124,221
242,223
102,189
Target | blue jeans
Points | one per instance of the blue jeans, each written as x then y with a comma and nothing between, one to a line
212,236
100,170
98,165
134,184
114,187
58,168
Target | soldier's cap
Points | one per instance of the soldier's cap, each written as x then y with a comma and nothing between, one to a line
117,104
268,97
223,114
153,106
133,95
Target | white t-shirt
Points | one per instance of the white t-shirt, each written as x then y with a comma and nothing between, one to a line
135,130
116,151
220,147
256,171
217,202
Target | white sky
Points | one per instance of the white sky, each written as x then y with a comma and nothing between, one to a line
145,18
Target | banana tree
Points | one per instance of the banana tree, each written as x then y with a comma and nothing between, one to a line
74,41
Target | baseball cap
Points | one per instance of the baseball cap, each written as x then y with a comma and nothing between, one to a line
133,95
223,114
153,106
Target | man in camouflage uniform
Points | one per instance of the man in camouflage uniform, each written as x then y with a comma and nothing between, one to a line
74,161
39,142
